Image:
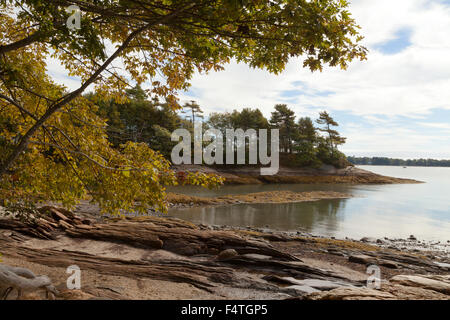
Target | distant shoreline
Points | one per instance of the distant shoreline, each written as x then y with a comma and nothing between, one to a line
394,165
384,161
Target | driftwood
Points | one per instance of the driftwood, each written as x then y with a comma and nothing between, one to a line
23,280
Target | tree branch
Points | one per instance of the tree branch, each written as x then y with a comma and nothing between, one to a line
21,147
21,43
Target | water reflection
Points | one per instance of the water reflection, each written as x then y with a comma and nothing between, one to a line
374,210
319,216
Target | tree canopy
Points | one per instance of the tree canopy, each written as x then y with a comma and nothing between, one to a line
302,143
283,118
54,145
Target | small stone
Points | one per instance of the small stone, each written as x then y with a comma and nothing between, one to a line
368,240
227,254
411,237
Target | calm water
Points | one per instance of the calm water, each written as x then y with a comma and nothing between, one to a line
376,210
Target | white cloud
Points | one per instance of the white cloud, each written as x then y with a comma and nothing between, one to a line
437,125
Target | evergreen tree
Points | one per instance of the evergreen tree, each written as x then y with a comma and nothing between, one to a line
334,139
249,119
306,130
305,143
194,109
283,119
140,120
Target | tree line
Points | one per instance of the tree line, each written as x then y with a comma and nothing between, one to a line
304,142
384,161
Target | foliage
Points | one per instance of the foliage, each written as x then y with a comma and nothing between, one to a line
140,120
302,141
71,158
283,119
53,143
333,138
249,119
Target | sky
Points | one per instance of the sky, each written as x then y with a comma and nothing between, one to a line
395,104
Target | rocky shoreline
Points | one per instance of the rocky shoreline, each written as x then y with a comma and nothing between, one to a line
243,175
160,258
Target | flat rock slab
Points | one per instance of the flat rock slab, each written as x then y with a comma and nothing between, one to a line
301,290
436,283
445,266
318,284
345,293
361,259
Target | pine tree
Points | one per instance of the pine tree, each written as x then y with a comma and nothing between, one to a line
283,119
334,138
194,109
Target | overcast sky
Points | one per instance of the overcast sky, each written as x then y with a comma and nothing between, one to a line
396,104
